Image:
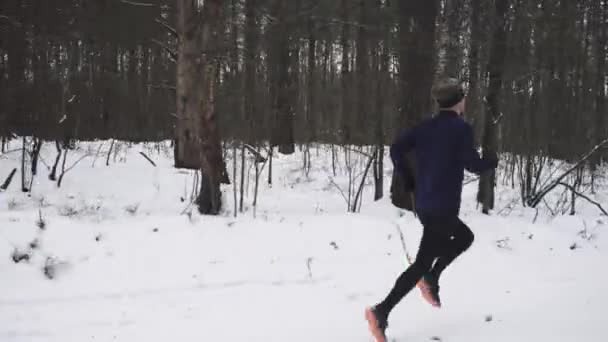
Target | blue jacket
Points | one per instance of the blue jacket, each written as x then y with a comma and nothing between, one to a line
443,147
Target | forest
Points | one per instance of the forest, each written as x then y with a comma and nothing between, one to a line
269,74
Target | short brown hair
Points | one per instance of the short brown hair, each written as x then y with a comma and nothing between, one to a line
448,92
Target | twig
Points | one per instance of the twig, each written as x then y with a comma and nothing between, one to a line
497,120
402,237
77,161
358,151
360,190
534,201
339,189
584,197
171,30
258,156
148,158
508,206
469,181
97,154
170,51
109,153
10,151
64,170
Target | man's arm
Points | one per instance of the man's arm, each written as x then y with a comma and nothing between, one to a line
404,144
470,157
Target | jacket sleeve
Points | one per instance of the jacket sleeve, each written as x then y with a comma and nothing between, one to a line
469,156
404,144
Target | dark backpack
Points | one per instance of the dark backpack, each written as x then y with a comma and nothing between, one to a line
402,189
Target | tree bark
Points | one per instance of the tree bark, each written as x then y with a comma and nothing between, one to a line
283,108
197,140
485,195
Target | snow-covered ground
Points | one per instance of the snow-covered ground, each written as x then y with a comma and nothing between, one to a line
128,265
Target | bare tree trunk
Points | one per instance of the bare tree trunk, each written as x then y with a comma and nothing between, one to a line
65,157
283,108
23,154
234,179
242,188
211,158
53,175
270,157
190,71
35,155
197,137
485,195
345,127
333,159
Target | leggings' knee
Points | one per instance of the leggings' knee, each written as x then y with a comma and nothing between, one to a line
422,266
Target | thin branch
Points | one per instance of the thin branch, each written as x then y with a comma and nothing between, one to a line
142,4
358,151
497,120
10,151
534,201
472,180
76,163
584,197
340,189
259,158
360,190
170,51
169,28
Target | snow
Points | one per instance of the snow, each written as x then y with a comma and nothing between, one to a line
131,267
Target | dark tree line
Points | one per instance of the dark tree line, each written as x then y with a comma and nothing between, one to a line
295,72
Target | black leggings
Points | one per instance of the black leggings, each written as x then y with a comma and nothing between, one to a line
444,238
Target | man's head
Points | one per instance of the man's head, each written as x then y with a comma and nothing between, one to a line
449,94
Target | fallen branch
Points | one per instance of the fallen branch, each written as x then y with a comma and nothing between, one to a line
535,200
148,158
571,188
8,180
